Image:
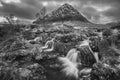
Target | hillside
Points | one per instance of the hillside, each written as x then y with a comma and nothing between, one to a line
64,13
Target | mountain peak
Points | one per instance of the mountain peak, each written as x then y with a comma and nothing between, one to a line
66,12
66,5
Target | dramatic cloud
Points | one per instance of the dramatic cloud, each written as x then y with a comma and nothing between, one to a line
11,1
97,11
1,4
98,7
57,3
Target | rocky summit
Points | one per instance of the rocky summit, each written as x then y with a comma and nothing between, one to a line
64,13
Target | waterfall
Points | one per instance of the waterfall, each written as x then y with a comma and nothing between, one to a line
70,63
72,55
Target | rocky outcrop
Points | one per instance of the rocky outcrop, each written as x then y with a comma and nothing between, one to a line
64,13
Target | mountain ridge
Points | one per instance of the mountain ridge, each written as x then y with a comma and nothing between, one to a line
65,12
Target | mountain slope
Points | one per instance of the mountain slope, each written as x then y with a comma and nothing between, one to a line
64,13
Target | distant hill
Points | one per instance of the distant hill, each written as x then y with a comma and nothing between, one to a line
114,25
65,12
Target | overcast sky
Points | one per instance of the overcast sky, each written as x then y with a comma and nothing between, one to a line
98,11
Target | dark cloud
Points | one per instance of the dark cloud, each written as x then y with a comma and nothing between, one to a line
115,12
95,10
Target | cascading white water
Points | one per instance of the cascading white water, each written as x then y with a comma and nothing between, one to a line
84,43
72,55
70,63
49,46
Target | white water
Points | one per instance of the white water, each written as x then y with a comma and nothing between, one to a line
84,43
70,63
72,55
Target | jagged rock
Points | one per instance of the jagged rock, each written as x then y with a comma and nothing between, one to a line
103,71
64,13
86,56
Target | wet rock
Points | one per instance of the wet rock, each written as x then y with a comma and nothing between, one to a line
104,72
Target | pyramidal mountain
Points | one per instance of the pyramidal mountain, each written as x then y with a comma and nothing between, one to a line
64,13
